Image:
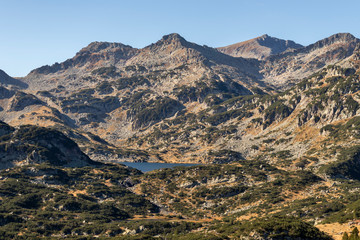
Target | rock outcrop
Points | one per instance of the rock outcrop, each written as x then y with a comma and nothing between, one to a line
26,145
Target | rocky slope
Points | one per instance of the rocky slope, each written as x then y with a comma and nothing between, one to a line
7,81
177,101
27,145
284,62
289,67
260,47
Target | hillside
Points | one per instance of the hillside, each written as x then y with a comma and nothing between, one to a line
279,137
49,188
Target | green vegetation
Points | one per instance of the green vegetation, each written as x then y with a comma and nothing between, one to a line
104,88
272,228
276,111
219,188
354,235
219,118
105,71
38,144
347,165
147,112
22,100
83,102
343,131
69,201
206,91
225,156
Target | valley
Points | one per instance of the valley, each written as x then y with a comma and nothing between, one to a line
273,125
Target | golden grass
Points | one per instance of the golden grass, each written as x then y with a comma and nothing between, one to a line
76,192
336,230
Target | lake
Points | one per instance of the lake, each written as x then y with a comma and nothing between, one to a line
147,166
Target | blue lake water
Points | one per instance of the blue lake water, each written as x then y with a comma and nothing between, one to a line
146,166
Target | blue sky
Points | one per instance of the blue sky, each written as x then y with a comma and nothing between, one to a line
40,32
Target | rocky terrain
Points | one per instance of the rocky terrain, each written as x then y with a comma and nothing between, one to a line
278,125
176,101
28,144
287,67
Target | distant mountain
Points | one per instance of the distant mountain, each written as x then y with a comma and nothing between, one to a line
6,80
288,67
94,55
170,52
260,47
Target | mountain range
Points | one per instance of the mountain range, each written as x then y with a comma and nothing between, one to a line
264,114
125,95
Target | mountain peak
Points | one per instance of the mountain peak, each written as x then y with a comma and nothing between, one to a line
340,37
264,36
99,46
346,38
94,54
173,38
260,47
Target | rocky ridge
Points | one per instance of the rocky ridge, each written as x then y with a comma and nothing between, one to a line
289,67
260,47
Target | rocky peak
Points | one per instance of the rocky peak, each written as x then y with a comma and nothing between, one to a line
173,37
99,46
173,50
173,41
3,75
96,53
260,47
345,38
277,45
302,62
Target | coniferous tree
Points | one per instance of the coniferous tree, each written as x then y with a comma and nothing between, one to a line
354,234
345,236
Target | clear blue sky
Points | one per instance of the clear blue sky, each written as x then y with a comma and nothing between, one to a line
40,32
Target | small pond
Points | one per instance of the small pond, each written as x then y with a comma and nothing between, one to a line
147,166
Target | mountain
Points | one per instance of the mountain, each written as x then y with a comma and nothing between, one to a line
169,53
289,67
118,102
277,140
70,73
260,47
7,81
92,56
26,145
